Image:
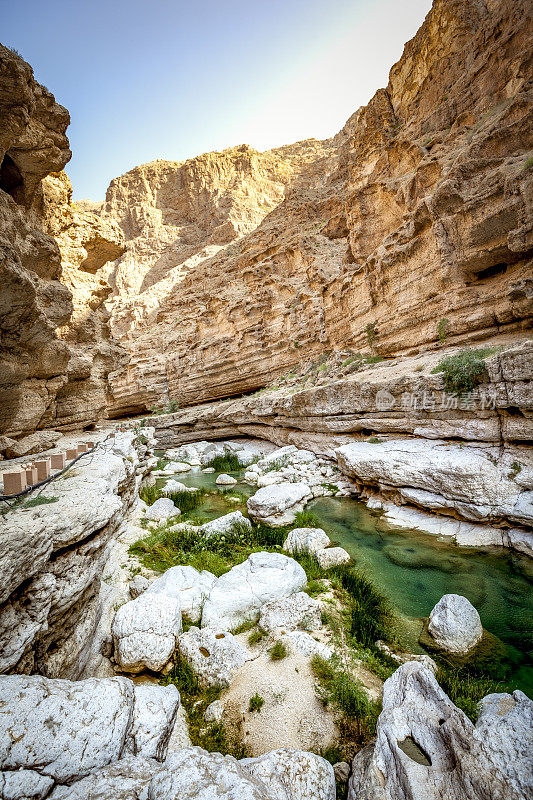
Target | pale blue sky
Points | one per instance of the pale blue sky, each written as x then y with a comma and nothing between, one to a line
146,79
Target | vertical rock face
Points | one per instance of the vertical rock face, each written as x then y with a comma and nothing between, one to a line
86,243
56,350
33,302
240,264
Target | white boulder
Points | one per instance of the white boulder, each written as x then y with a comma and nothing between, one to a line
238,595
289,613
138,585
144,632
194,774
213,654
226,524
225,480
332,557
278,505
306,540
187,585
505,724
126,779
64,729
454,624
172,486
305,644
162,509
177,466
293,775
426,748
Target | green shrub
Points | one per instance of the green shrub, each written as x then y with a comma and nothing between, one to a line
373,440
187,501
162,463
371,333
278,651
443,328
256,703
226,463
464,370
150,494
39,501
528,164
195,699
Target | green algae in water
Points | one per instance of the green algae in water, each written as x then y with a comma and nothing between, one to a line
414,570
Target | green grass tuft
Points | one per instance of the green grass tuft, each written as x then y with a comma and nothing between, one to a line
226,463
39,501
278,651
466,690
150,494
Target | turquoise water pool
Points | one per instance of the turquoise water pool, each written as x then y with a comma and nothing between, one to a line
414,570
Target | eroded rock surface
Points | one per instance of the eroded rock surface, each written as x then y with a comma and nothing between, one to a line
238,595
426,747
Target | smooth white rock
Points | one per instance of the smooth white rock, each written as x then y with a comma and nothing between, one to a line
225,480
304,643
297,611
306,540
127,779
189,586
238,595
224,525
162,509
177,466
278,505
330,557
24,784
213,654
454,624
465,533
214,711
208,470
144,632
270,479
172,486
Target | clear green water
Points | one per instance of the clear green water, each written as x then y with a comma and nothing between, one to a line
414,570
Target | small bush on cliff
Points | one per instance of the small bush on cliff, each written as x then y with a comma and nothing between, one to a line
371,333
464,370
256,703
278,651
443,329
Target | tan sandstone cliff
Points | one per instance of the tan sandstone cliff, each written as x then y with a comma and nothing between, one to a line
240,265
55,347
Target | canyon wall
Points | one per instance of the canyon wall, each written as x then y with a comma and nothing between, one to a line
240,265
55,348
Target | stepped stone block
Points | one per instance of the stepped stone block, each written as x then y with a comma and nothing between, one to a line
14,481
43,468
58,461
72,453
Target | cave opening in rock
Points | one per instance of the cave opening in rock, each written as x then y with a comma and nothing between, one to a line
11,180
491,272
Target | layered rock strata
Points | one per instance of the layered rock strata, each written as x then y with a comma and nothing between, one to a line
466,457
53,554
413,223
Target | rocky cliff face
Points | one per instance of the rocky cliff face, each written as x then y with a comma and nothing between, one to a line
56,349
240,265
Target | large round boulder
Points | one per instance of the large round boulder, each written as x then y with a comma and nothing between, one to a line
278,505
454,624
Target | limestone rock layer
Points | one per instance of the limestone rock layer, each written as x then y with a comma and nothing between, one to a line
240,265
